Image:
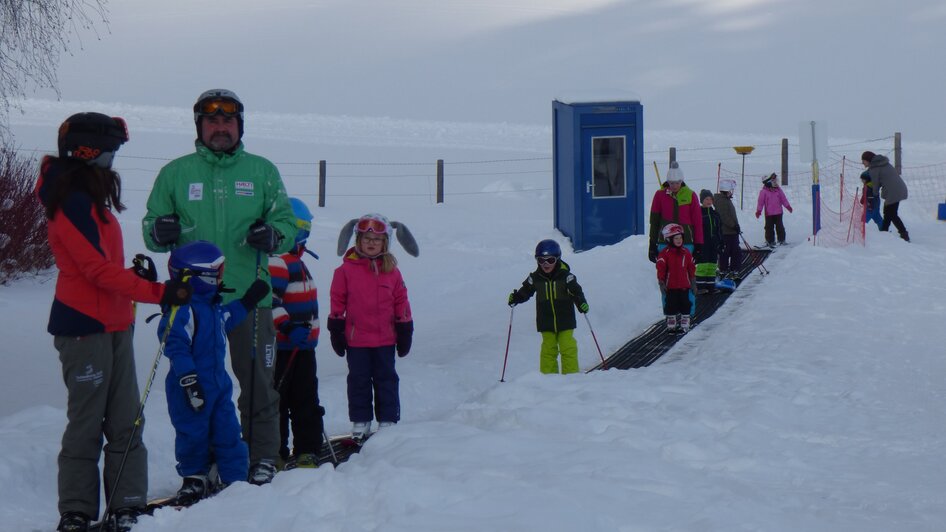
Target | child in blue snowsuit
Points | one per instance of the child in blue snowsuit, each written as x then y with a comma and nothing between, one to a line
871,201
199,390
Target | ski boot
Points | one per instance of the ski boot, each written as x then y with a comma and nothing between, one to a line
684,323
124,519
302,461
73,522
360,430
262,472
672,326
193,489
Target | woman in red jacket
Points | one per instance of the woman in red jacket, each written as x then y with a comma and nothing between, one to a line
370,319
91,320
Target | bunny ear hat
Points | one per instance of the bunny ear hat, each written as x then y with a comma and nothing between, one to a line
377,223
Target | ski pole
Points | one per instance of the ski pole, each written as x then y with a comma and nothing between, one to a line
331,449
762,269
285,372
657,171
593,337
508,337
249,430
141,406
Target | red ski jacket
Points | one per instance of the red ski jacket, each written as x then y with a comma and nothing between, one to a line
94,291
675,267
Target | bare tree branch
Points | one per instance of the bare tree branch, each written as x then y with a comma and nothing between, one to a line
33,34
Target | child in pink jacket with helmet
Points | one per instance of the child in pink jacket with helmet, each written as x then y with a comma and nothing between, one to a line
771,200
371,318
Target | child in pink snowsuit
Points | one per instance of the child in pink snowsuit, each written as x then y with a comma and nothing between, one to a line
772,199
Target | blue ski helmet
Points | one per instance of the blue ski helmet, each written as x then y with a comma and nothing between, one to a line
203,261
548,248
303,219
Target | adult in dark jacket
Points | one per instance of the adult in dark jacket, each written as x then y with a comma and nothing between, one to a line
91,320
885,180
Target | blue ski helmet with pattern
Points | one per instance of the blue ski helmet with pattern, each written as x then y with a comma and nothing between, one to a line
548,248
303,219
202,261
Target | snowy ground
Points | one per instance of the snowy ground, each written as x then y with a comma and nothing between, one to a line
811,401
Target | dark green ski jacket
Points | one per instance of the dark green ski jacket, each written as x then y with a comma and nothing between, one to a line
557,295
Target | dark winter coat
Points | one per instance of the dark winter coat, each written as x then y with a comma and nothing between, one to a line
557,295
712,236
885,179
728,218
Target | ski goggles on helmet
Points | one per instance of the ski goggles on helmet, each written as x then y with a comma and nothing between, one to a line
546,260
221,106
371,225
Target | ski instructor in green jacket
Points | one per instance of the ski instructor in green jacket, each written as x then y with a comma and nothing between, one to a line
236,200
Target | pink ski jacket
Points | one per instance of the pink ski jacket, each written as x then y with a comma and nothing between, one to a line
368,300
772,200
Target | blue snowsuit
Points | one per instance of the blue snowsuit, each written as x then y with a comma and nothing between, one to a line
196,344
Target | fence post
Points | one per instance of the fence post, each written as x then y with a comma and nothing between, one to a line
897,152
673,155
784,161
322,183
439,180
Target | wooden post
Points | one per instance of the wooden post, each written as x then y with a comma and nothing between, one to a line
784,161
897,152
673,155
439,180
322,183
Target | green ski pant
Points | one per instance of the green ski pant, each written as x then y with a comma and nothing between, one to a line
102,397
552,344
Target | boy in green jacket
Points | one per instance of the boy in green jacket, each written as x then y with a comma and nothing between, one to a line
558,293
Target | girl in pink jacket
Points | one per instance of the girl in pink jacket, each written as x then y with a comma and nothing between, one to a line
772,199
371,318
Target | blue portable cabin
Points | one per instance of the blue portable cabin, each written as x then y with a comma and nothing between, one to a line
598,171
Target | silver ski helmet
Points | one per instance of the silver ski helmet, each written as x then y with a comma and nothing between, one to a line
202,261
218,101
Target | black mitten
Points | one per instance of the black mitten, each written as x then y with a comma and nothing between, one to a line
405,335
166,229
336,329
176,292
254,294
193,392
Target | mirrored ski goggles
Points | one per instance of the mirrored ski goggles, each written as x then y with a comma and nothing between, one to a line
225,107
372,225
546,260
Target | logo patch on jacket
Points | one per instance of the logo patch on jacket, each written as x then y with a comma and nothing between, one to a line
195,192
243,188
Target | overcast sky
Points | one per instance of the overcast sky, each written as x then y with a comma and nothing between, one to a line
866,68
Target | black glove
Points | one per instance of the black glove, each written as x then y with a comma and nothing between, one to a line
652,251
405,335
176,292
336,329
254,294
193,392
143,267
297,332
166,229
697,252
263,237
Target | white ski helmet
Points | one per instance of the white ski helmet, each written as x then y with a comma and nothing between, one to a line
727,185
671,230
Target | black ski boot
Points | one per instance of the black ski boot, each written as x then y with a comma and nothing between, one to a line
73,522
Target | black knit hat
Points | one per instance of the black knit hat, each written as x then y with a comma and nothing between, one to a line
705,194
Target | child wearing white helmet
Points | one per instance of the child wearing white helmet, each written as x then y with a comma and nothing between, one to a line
676,275
730,256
